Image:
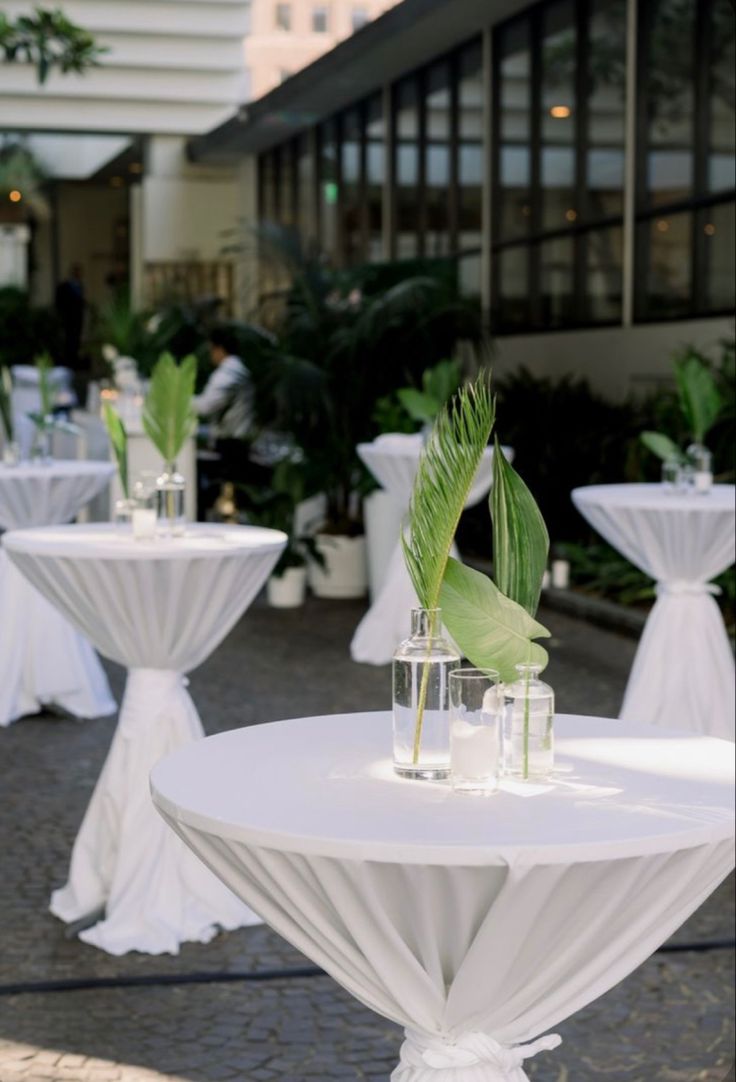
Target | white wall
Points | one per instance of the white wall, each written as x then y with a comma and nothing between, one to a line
616,361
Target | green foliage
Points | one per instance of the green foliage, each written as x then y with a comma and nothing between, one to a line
444,477
493,631
119,443
291,482
700,398
26,331
6,404
439,384
520,538
168,416
662,446
48,39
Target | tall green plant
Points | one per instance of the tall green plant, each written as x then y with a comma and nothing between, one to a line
119,443
700,402
168,416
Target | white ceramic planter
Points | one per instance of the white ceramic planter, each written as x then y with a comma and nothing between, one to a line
345,573
287,591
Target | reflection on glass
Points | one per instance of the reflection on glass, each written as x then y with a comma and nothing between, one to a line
351,194
722,150
375,169
470,166
604,278
556,282
668,267
437,160
305,189
717,224
328,188
670,102
512,276
407,169
558,116
606,60
514,195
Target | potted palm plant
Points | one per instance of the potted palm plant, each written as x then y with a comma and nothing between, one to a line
168,421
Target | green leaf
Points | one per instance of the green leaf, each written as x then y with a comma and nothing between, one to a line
168,415
447,468
520,538
662,446
492,631
119,442
420,406
700,397
442,381
6,403
44,364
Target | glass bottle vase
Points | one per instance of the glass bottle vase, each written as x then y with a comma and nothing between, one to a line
529,725
171,492
421,698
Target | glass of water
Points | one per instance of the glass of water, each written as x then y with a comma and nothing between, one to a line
476,712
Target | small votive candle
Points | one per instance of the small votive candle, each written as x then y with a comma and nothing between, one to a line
144,523
702,481
560,574
476,751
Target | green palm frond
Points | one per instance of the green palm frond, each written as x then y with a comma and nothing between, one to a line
119,443
446,471
168,415
44,364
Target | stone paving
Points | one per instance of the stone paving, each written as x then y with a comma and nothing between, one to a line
670,1021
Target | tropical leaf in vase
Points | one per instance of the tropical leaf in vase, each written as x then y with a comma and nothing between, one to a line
492,631
700,398
168,415
520,538
446,471
662,446
6,404
119,443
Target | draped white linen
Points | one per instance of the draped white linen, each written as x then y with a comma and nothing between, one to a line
43,660
683,673
159,607
393,460
476,923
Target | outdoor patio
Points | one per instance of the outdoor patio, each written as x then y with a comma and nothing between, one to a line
670,1021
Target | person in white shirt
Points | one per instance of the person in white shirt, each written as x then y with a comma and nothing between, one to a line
227,399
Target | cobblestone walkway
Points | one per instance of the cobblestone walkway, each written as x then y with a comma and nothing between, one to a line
671,1021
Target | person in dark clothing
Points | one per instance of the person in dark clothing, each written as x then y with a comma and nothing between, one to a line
70,305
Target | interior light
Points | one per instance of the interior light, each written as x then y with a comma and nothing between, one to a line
709,229
571,215
663,225
560,112
330,191
15,196
135,167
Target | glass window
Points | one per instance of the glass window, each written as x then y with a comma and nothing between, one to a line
667,241
267,184
375,176
329,188
514,125
512,288
716,225
358,18
320,19
558,120
406,169
470,166
437,164
604,274
282,16
669,34
603,193
351,156
722,122
305,189
557,282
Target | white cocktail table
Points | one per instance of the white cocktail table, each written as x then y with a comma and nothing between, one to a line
476,923
683,673
160,608
393,460
43,660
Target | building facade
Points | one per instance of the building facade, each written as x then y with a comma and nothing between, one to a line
574,160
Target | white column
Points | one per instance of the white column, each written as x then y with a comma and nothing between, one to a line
14,240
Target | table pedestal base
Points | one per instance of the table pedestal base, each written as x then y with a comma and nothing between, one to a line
471,1057
156,893
43,660
683,673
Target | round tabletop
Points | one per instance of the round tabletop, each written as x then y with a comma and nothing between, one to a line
719,498
54,492
325,786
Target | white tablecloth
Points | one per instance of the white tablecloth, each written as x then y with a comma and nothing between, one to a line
160,607
478,923
683,673
43,660
393,460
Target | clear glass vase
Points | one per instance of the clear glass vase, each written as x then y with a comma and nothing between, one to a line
41,446
421,698
171,491
11,453
529,725
123,515
700,468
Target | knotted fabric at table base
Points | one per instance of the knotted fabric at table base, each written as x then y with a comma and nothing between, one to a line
473,1057
125,857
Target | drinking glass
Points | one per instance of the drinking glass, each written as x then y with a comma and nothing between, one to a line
476,712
